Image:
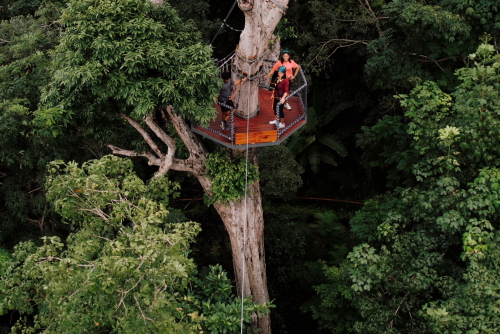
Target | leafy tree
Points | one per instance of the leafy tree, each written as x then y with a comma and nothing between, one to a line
429,249
27,139
140,56
140,61
123,269
397,40
314,144
279,173
9,8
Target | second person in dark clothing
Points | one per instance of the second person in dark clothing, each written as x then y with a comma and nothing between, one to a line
226,97
281,92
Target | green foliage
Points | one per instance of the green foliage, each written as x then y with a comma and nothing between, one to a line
212,294
428,254
130,56
313,144
394,40
279,173
284,30
11,8
27,141
123,269
5,260
24,53
228,177
199,12
336,312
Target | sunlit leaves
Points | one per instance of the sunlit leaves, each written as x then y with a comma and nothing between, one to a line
124,269
228,177
432,241
131,56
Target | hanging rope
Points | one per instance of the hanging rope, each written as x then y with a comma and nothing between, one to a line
224,22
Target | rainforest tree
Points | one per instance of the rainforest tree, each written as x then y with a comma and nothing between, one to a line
138,61
125,268
430,246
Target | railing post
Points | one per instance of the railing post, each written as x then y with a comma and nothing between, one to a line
231,117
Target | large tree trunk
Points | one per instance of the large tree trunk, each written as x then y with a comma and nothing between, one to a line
245,226
261,17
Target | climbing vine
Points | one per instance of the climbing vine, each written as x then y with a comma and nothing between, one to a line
228,177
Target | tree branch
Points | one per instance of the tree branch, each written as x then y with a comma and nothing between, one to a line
370,10
197,153
352,42
152,160
144,135
167,159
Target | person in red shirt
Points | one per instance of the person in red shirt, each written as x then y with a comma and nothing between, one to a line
292,69
280,93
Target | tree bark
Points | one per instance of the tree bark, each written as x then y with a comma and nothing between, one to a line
245,226
261,18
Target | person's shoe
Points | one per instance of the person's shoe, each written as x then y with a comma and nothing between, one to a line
272,122
282,125
287,106
222,125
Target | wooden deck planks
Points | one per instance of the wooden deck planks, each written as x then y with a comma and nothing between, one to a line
260,131
255,137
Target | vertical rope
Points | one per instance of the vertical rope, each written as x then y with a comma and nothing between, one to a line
245,211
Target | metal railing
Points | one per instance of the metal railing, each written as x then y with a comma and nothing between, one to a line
226,65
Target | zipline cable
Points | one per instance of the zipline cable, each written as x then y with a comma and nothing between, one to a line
224,22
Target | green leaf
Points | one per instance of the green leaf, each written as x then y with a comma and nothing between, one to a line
314,157
334,143
331,113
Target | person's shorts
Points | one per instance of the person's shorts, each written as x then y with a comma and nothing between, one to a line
280,108
228,103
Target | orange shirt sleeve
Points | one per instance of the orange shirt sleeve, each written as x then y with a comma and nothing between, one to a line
276,65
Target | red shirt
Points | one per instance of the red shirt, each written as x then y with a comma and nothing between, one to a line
289,65
282,88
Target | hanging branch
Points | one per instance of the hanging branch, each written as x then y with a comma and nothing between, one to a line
372,13
166,161
144,135
350,41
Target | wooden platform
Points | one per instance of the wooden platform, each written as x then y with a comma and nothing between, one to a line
260,132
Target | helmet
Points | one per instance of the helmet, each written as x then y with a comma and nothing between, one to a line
285,51
282,69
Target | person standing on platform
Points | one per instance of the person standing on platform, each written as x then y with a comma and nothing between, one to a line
226,98
292,69
280,93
